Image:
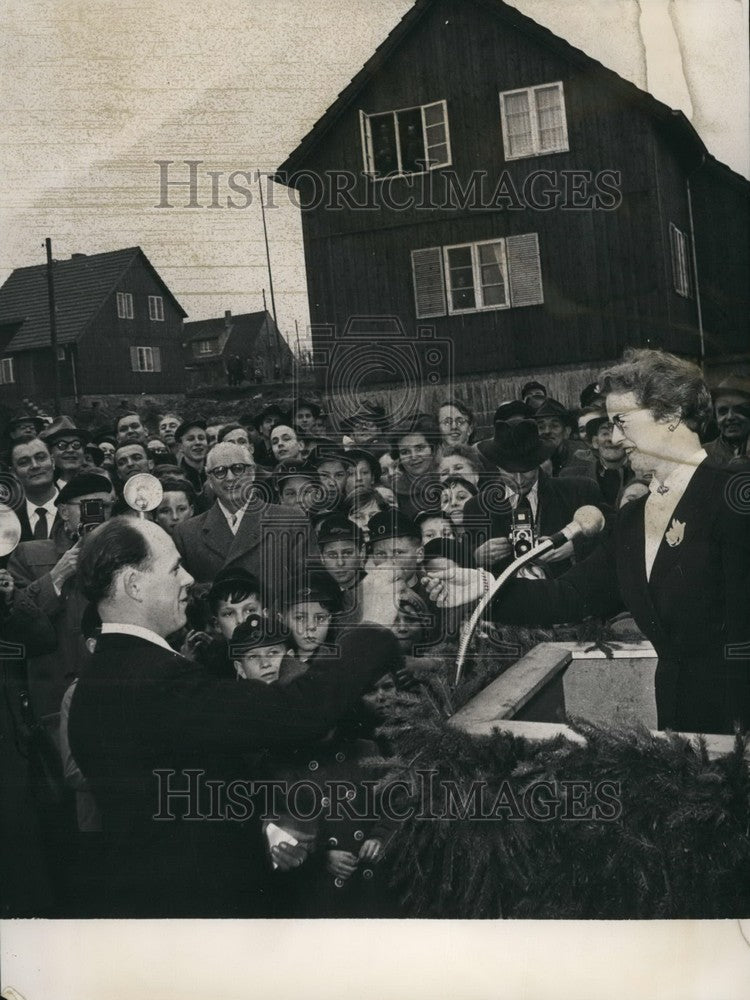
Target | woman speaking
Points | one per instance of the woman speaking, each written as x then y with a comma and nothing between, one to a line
678,558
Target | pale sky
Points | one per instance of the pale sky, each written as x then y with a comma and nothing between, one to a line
94,91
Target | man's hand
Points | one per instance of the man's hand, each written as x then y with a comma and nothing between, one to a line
342,864
7,586
194,640
371,850
288,856
66,566
565,551
493,551
461,586
381,592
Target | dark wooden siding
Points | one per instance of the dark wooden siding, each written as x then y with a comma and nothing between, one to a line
605,272
721,214
104,350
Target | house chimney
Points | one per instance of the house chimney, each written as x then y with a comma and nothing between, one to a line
228,318
77,256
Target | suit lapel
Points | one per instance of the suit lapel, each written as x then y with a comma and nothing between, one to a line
248,535
691,512
217,535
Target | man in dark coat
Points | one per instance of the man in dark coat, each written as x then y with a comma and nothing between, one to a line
26,887
44,572
147,726
518,454
241,528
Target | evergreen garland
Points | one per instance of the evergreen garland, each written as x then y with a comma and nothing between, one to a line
679,847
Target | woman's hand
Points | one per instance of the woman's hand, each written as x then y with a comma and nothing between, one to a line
460,586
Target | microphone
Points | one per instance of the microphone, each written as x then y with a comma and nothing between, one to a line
587,522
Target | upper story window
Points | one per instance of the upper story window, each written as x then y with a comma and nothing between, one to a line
409,141
680,267
533,121
7,371
156,307
205,347
124,305
475,277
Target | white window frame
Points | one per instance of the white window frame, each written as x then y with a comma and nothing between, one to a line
522,273
680,251
7,371
125,305
205,347
534,117
368,158
156,308
60,353
145,359
476,278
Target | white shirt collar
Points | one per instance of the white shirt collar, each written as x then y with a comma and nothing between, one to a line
233,519
49,506
138,631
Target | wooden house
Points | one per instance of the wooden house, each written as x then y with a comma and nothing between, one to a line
252,337
119,329
486,184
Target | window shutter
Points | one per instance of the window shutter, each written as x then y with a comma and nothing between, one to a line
429,285
525,270
134,359
157,359
365,133
680,273
437,142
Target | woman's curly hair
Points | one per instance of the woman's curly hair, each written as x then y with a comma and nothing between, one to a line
662,383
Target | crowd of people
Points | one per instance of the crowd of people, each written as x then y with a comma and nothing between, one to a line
296,568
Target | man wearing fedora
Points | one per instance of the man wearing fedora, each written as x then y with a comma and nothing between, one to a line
556,424
66,443
24,427
732,410
522,482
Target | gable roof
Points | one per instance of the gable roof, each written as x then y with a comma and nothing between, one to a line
674,121
83,284
247,325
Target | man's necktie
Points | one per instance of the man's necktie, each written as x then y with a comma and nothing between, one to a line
40,528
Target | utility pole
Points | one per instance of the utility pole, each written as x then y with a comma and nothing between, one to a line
270,274
53,327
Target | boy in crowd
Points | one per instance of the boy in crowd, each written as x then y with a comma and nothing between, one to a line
434,524
258,648
342,553
232,598
307,614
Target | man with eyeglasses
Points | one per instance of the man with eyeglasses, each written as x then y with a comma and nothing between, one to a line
44,571
243,528
66,442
